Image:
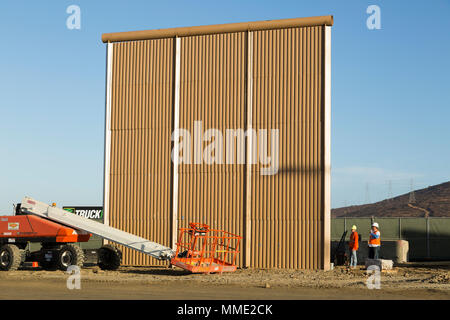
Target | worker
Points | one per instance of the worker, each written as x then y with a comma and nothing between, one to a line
374,242
353,247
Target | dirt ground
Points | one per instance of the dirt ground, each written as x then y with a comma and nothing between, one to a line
429,281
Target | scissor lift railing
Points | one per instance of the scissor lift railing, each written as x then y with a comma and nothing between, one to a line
204,250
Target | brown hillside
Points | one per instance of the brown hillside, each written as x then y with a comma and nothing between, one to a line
434,200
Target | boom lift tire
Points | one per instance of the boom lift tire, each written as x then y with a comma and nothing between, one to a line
11,257
109,257
69,254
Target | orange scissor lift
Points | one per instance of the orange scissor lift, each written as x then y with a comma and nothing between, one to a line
204,250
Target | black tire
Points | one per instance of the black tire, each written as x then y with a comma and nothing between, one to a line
10,257
69,255
109,257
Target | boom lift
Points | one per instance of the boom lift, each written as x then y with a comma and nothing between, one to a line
199,248
57,230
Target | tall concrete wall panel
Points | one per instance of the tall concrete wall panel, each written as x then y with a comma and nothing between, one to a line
269,75
141,126
213,92
287,208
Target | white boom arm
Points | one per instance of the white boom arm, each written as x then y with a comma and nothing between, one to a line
126,239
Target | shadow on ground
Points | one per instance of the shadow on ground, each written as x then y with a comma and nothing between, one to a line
154,271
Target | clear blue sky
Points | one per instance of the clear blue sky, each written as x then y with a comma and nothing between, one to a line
390,91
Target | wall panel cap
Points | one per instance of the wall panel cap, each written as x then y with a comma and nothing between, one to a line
218,28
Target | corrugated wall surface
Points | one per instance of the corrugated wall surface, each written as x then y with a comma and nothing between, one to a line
141,126
287,213
287,208
212,90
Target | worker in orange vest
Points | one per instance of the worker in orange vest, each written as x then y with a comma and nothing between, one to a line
374,242
353,247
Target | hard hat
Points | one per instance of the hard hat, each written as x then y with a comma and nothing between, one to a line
375,225
353,227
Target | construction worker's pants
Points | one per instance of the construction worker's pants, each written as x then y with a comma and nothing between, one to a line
353,258
374,252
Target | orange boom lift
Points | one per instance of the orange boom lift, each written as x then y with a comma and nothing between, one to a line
58,249
199,248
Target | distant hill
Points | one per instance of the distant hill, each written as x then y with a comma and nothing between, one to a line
433,201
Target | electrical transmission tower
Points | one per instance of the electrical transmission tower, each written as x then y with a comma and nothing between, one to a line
412,195
389,195
367,193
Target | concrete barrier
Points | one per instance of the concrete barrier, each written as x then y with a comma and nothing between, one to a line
383,264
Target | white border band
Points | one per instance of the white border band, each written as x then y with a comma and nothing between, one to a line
107,163
176,151
249,162
327,151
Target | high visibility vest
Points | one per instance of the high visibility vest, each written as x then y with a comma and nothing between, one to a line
353,243
373,241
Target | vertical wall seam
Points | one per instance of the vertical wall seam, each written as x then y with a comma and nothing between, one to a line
175,149
327,151
249,147
107,160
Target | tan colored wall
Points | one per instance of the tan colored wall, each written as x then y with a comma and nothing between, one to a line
282,216
141,125
287,211
213,91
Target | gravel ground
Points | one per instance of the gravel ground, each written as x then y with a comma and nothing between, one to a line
405,282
